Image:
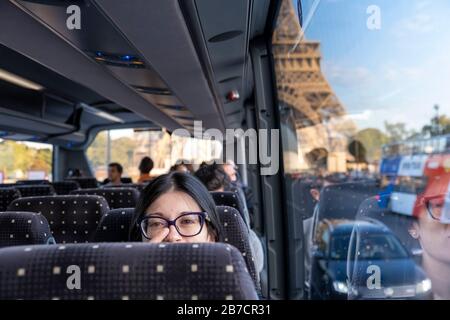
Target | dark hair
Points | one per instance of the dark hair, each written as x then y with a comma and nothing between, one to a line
213,177
179,181
117,165
176,166
146,165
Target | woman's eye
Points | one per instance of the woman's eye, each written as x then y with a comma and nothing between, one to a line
155,224
187,221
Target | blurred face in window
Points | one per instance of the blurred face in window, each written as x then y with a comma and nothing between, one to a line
181,209
433,235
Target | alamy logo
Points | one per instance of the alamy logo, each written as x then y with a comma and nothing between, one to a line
374,19
74,20
263,145
74,280
374,280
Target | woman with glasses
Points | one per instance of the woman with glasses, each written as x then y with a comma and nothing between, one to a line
176,207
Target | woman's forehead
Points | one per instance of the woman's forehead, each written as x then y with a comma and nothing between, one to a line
172,204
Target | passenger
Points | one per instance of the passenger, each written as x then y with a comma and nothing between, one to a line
145,167
188,165
180,167
230,169
244,191
115,171
176,207
213,177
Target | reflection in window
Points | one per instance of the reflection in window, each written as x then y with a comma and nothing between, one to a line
370,106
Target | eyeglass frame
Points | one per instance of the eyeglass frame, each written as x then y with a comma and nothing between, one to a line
426,202
202,215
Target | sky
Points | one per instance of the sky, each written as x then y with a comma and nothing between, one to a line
397,73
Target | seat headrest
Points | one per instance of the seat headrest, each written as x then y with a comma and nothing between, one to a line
125,271
116,197
73,219
35,190
232,199
114,226
65,187
24,228
8,195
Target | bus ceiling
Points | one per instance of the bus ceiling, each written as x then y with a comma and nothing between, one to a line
186,61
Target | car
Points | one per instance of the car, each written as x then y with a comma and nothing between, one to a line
362,260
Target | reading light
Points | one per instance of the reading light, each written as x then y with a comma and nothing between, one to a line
19,81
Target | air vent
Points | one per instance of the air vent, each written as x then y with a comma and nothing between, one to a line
118,60
226,36
153,90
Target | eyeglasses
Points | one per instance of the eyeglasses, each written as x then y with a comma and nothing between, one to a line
435,206
189,224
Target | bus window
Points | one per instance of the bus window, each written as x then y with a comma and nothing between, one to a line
25,161
128,147
363,111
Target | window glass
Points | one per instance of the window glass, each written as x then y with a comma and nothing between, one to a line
25,161
364,106
129,146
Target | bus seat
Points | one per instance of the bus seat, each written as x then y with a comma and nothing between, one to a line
35,190
133,271
341,201
73,219
114,226
232,199
24,228
33,182
63,188
8,195
237,233
85,182
116,197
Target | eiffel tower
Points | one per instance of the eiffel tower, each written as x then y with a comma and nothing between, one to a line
306,98
301,83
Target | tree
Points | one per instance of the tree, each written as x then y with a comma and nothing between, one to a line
439,125
372,139
398,132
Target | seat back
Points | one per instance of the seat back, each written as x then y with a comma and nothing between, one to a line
63,188
134,271
116,197
114,226
24,228
35,190
7,195
342,201
236,233
85,182
232,199
33,182
73,219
